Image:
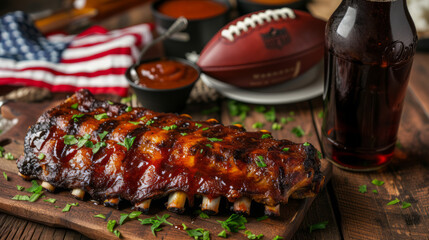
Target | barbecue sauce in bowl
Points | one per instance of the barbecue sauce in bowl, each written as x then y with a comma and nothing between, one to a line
192,9
166,74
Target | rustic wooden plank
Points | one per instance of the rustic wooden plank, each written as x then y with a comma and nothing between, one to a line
366,215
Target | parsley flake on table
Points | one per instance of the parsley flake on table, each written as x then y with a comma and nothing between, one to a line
35,196
362,189
117,233
35,187
320,114
20,188
270,115
277,237
266,135
201,214
285,120
222,234
5,176
184,226
377,182
260,161
100,216
110,225
210,110
101,116
298,131
1,151
215,139
319,155
251,235
395,201
260,108
21,197
69,140
199,233
156,222
125,216
405,205
50,200
74,106
318,226
171,127
276,126
68,206
9,156
76,117
238,109
257,125
128,142
262,218
234,223
374,191
128,109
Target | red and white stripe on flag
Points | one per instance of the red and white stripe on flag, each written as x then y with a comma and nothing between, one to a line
95,59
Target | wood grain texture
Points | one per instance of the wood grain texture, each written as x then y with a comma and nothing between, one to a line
81,218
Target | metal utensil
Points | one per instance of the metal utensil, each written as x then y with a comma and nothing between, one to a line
180,24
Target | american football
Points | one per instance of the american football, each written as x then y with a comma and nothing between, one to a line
264,48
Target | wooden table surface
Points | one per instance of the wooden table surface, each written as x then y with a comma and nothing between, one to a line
351,214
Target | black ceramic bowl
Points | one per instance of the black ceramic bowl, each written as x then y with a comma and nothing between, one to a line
247,6
163,100
195,36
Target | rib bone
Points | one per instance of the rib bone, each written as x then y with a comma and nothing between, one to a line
176,202
25,177
78,193
242,205
111,202
210,206
272,211
48,186
144,206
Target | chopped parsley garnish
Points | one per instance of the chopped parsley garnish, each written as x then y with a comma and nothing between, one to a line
222,234
257,125
149,122
20,188
238,109
399,145
128,109
69,140
375,191
277,237
306,144
292,113
100,216
260,109
9,156
35,187
135,123
234,223
209,145
260,162
266,135
102,135
74,106
128,142
405,205
204,129
97,147
362,189
1,151
21,197
156,222
41,156
5,176
285,120
298,131
377,182
117,233
125,216
251,235
101,116
210,110
171,127
50,200
184,226
215,139
285,149
318,226
320,114
270,115
276,126
201,214
183,134
199,233
83,140
262,218
393,202
198,125
110,225
76,116
68,206
319,155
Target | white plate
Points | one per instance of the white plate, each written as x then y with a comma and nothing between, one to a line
304,87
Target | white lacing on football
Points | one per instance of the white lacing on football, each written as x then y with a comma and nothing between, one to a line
254,19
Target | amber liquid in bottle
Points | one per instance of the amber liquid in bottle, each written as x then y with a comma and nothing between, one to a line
369,52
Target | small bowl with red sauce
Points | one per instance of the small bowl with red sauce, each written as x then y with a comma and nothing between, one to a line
164,84
205,18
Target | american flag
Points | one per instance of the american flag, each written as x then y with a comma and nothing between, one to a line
96,59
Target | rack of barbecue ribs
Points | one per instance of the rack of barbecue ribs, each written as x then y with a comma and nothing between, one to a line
114,152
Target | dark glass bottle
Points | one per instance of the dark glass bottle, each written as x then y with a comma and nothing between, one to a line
370,46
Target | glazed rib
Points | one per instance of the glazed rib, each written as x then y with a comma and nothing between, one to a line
170,155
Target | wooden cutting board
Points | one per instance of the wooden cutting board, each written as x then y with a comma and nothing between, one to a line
81,218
